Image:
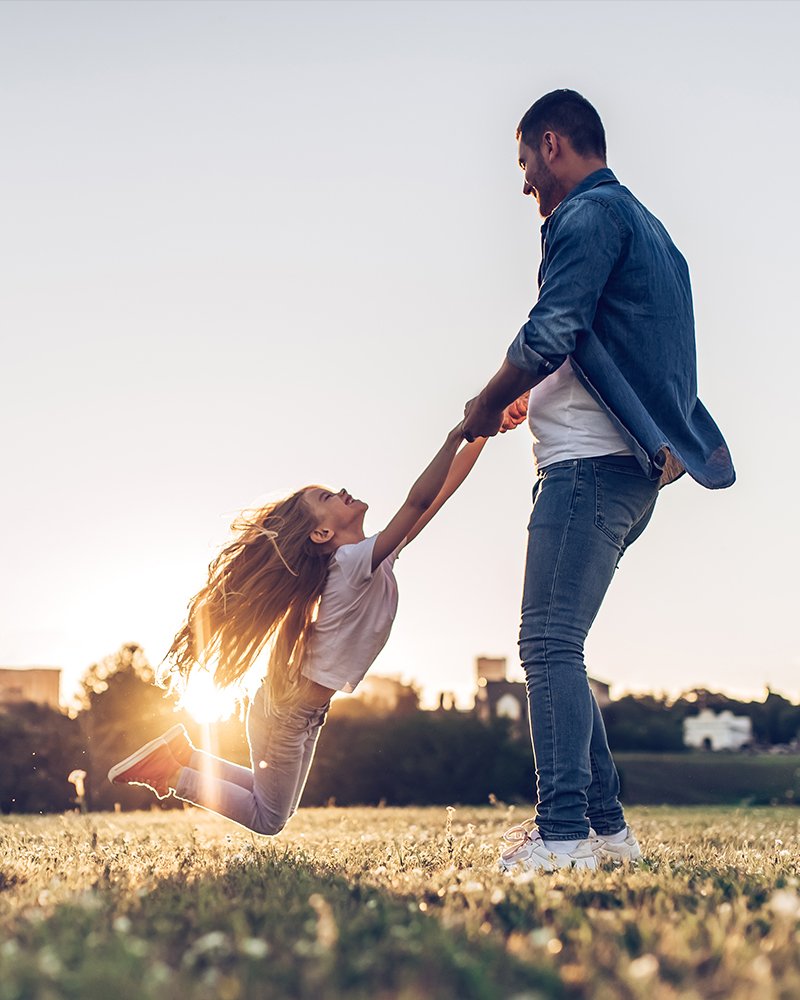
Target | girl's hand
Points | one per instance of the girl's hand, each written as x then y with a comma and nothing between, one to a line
457,433
516,413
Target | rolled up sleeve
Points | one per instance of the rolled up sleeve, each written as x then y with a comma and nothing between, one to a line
581,248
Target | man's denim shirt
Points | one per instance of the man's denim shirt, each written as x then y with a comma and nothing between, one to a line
615,298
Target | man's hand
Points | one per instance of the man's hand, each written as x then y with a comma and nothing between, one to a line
516,413
480,421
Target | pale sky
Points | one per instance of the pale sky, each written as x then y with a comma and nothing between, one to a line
249,246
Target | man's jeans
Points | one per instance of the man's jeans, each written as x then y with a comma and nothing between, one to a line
586,512
266,795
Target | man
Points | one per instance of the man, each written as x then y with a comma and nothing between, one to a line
608,354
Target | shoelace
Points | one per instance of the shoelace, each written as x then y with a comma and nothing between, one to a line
519,835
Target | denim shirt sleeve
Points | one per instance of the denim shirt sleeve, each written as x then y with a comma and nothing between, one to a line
581,247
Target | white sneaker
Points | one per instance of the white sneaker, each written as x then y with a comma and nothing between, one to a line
626,852
528,852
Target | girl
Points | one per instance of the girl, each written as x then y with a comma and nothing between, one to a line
301,555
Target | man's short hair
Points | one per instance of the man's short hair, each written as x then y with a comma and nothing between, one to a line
569,114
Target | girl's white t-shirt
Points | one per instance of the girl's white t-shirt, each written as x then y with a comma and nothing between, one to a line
355,617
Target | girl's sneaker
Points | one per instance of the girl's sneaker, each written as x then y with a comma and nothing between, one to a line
626,851
528,852
154,764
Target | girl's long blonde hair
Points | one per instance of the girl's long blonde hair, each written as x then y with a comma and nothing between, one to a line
262,588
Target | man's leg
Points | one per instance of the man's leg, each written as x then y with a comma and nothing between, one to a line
584,510
604,809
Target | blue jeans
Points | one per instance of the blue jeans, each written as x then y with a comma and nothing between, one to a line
586,512
264,796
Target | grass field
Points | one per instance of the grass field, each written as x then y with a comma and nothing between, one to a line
393,903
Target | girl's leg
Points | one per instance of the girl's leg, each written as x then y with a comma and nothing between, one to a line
281,748
307,760
218,769
279,777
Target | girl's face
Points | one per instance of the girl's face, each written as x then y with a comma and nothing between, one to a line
337,511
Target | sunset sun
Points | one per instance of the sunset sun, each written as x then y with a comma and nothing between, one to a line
204,701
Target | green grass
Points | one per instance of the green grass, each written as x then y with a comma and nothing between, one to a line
393,903
709,778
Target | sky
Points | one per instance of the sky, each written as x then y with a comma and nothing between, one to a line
251,246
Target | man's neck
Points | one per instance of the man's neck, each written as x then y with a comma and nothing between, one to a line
574,174
579,171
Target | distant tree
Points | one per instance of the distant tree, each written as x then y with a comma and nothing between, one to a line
643,722
775,720
121,708
39,746
420,758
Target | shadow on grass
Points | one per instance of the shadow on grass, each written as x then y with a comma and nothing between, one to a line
269,927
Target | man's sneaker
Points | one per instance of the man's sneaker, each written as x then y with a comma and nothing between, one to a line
154,763
625,852
528,852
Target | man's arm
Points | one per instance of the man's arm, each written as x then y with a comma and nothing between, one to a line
583,246
483,415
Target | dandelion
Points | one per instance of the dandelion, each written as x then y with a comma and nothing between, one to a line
785,903
254,948
49,963
327,931
643,967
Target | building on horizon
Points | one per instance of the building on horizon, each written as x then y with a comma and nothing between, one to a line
499,698
40,685
717,731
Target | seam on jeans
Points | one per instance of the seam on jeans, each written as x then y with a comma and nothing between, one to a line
596,771
599,519
575,491
599,497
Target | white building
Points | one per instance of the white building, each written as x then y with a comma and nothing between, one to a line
709,731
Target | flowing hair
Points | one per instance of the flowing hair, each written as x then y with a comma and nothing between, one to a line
263,587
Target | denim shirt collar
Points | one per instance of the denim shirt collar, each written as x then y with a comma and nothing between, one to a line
595,179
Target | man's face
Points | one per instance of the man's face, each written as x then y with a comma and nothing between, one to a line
539,179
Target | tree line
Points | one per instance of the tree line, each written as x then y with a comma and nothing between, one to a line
408,756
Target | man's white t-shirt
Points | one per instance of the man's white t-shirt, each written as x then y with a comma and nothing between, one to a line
355,617
567,422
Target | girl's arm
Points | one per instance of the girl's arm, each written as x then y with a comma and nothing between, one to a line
422,496
459,470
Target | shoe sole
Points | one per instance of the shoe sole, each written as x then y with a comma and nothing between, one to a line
138,755
618,859
589,864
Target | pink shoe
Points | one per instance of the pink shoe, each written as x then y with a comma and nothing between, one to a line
155,763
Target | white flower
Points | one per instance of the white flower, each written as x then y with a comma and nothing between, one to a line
785,903
643,967
254,948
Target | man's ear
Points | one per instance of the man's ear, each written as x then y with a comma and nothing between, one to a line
321,536
551,146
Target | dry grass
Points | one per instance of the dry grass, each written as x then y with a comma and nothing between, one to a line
394,903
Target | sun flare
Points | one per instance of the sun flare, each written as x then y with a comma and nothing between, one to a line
204,701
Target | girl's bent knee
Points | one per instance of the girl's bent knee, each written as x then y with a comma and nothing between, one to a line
266,827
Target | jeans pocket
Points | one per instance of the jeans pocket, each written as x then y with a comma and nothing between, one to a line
622,497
